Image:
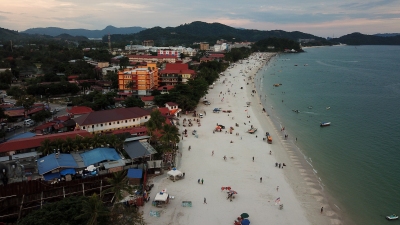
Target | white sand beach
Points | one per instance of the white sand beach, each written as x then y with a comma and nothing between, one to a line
299,194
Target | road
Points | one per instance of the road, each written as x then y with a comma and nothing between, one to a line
62,111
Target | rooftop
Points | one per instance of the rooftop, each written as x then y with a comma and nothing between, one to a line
104,116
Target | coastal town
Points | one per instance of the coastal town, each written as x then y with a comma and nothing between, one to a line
165,134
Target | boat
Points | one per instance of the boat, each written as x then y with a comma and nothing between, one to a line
252,130
324,124
392,217
328,108
310,107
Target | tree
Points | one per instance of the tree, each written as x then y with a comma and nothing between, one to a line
64,211
69,145
26,101
94,211
133,102
119,184
16,92
41,116
170,135
46,147
6,77
130,85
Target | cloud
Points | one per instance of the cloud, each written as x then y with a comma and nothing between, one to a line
256,14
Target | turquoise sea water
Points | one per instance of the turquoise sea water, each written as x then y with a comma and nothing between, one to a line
357,158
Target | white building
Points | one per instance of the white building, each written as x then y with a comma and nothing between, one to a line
114,119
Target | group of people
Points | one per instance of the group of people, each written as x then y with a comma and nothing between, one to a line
280,165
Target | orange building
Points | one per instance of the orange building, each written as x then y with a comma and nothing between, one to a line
140,80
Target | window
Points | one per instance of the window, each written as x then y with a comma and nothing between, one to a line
126,121
83,127
145,117
118,122
101,125
133,120
109,124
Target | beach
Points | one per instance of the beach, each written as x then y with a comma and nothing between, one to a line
250,168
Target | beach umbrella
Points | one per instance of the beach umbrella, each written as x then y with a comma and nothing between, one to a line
245,222
244,215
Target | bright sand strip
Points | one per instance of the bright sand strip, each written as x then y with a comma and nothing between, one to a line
301,201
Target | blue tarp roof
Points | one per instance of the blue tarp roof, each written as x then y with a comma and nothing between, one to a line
67,171
50,162
98,155
135,173
51,176
24,135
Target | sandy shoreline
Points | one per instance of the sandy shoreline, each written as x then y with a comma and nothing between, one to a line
297,190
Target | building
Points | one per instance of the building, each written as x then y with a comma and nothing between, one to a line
139,81
148,101
204,46
175,73
133,59
30,144
114,119
167,52
148,43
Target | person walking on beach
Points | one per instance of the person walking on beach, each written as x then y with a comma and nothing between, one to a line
253,158
212,154
277,188
322,209
202,180
205,201
260,179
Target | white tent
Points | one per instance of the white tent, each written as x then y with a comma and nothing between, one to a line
161,197
174,172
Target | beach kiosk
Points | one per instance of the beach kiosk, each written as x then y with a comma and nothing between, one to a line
161,199
175,173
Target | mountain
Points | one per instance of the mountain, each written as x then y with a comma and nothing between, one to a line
364,39
207,32
55,31
387,34
7,34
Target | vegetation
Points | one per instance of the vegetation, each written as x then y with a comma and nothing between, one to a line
133,102
96,100
78,143
67,211
278,44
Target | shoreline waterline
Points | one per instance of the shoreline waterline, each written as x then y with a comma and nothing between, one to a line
303,173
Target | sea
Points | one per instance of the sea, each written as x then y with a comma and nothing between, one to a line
357,89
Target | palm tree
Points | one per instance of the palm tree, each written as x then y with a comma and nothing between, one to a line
130,85
92,209
68,145
46,147
170,135
57,144
151,129
78,143
119,184
158,119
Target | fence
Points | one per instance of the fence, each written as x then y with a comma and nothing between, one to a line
18,199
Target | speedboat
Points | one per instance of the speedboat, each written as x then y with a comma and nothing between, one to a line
392,217
327,108
324,124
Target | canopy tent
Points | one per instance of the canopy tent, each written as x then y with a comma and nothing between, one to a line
245,222
67,171
174,172
162,197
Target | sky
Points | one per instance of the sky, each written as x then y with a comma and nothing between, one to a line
323,18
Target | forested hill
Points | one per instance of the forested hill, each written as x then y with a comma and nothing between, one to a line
55,31
364,39
7,34
207,32
280,44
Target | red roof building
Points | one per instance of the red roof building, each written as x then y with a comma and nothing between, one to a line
175,73
79,110
113,119
32,143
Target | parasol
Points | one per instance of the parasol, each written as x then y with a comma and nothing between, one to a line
245,222
244,215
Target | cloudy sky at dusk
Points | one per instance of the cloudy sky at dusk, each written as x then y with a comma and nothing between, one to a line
322,18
